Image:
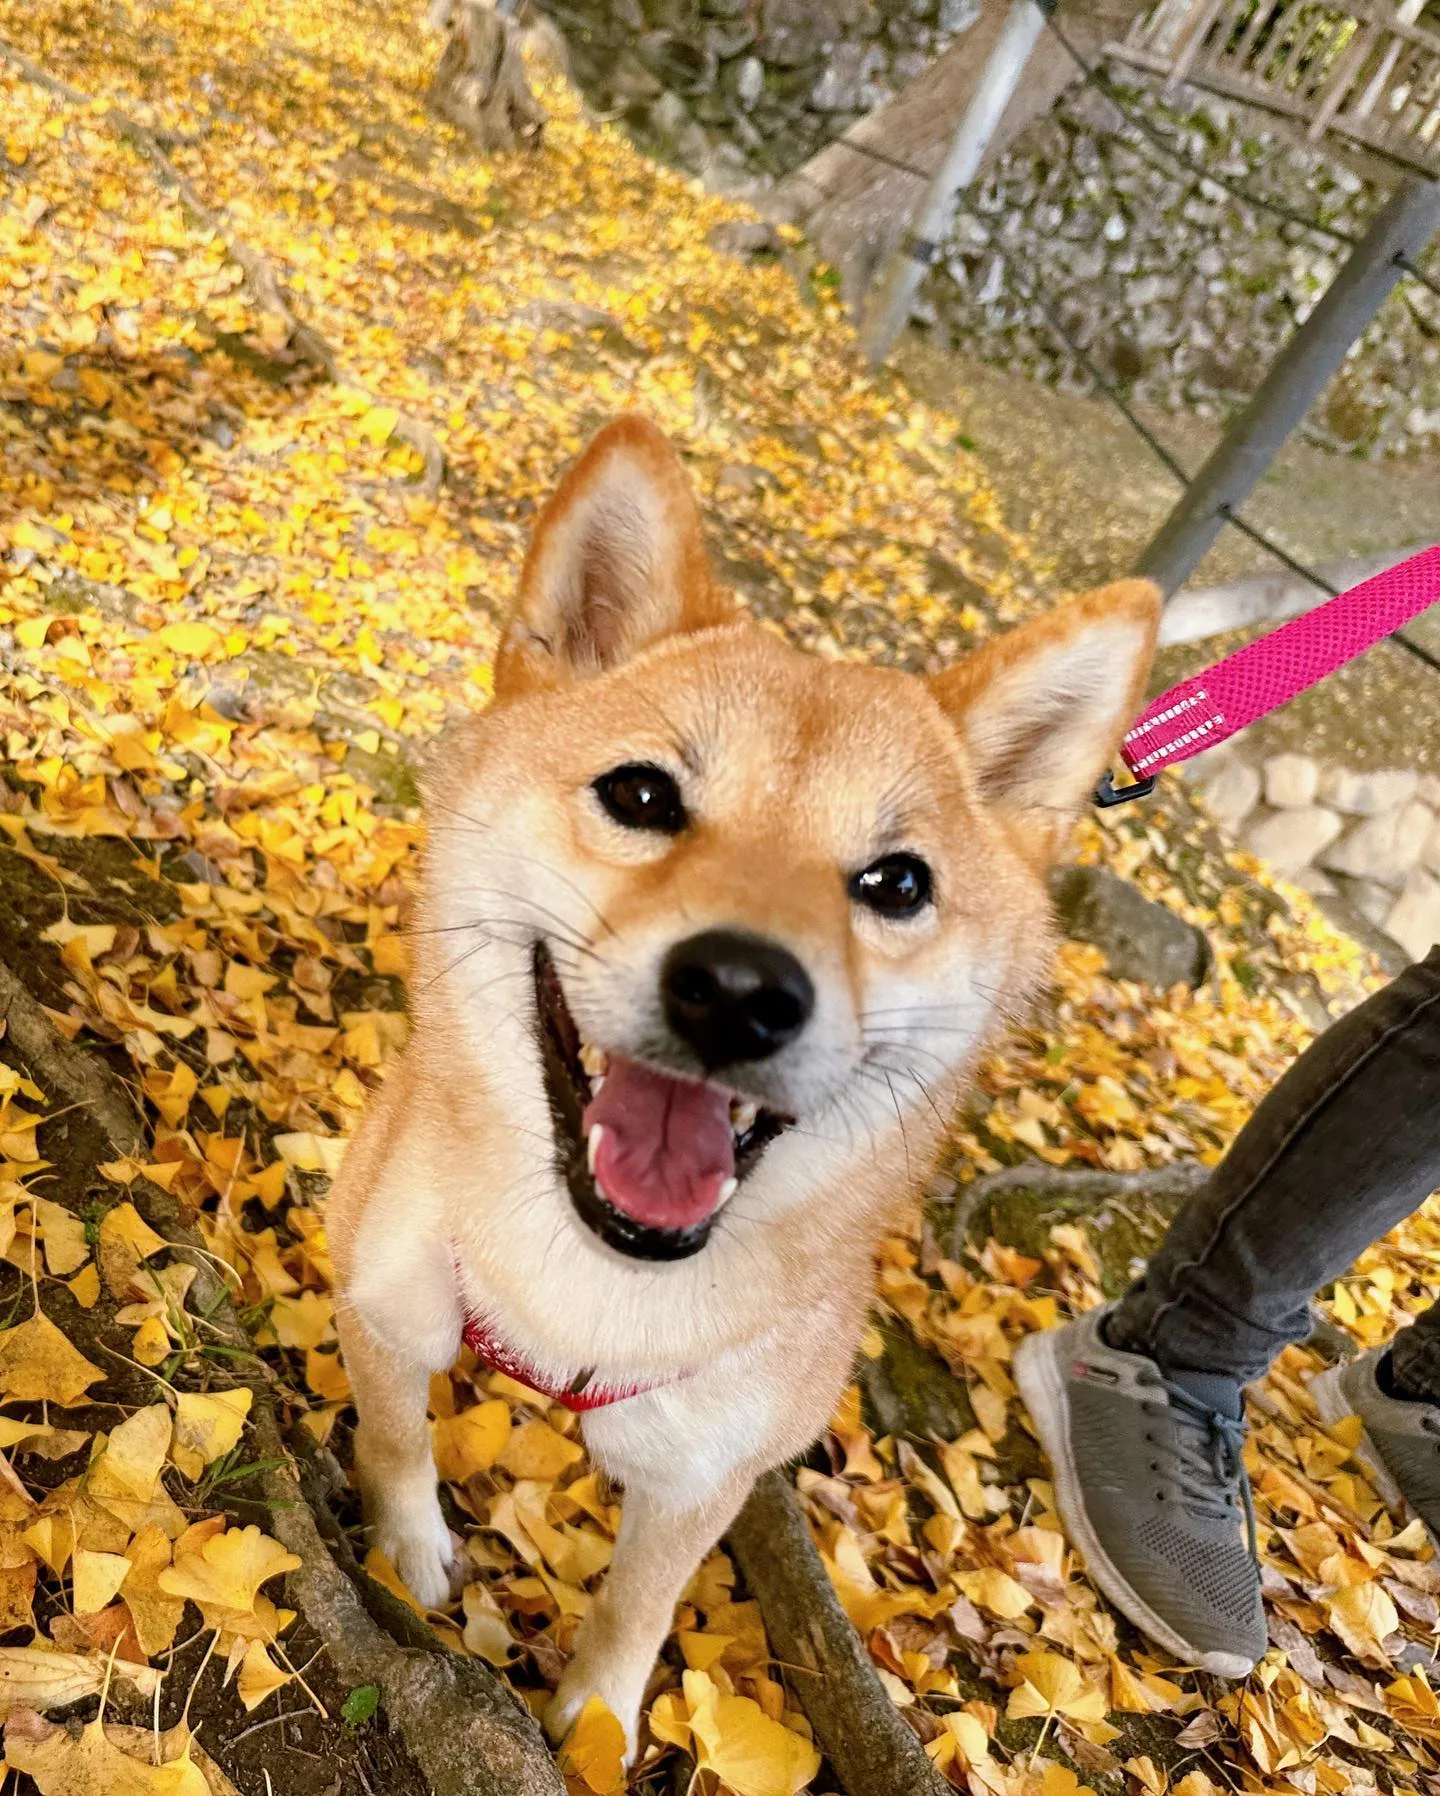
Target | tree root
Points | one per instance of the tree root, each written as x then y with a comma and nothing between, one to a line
467,1733
305,342
1167,1183
863,1734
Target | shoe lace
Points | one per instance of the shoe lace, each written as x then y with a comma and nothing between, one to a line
1202,1453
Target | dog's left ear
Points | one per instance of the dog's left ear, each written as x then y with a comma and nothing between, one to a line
617,561
1042,709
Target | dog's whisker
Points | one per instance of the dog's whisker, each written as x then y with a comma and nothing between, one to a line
569,934
531,860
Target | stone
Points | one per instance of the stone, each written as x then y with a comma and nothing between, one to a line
1291,781
1383,848
957,16
630,82
1141,940
1318,884
848,81
794,32
750,82
681,16
1415,920
725,38
1367,794
1290,840
1373,901
1230,793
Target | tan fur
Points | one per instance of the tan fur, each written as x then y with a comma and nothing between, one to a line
797,773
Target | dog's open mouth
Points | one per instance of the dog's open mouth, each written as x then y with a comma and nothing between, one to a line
651,1158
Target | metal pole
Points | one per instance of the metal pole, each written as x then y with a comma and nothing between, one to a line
1402,228
919,249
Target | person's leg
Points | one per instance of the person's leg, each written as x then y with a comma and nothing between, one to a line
1414,1368
1139,1408
1344,1147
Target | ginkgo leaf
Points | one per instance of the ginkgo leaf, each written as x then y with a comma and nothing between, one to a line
1053,1685
306,1320
125,1241
228,1569
259,1676
378,423
154,1615
133,1458
734,1737
52,1537
36,1677
38,1363
207,1426
40,1437
536,1450
1364,1616
97,1578
89,1764
487,1633
594,1751
195,640
472,1441
62,1233
85,1286
150,1343
996,1591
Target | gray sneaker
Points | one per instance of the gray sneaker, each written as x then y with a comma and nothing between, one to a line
1151,1488
1401,1443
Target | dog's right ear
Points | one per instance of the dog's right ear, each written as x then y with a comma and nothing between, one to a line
616,562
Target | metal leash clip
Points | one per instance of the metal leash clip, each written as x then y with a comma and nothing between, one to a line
1107,793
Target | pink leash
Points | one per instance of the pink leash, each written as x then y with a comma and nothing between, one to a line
1211,706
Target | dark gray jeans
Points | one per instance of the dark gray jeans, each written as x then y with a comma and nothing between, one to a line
1344,1147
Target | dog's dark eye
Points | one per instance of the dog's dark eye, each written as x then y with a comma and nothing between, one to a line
642,797
897,885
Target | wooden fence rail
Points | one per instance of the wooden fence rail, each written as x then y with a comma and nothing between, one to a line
1361,69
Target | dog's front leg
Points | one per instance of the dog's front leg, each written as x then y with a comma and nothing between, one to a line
394,1336
659,1546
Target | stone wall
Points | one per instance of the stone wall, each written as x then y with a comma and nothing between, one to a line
1373,838
1179,293
745,90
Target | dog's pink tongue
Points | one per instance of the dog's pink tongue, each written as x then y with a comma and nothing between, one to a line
667,1151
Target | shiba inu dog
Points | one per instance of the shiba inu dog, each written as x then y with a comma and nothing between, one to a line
709,933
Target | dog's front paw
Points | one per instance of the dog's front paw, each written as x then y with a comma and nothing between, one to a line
412,1534
576,1688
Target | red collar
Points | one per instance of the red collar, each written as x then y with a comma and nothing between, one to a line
583,1394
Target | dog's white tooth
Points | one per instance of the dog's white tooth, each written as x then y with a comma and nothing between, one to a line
595,1061
597,1084
592,1146
742,1114
728,1190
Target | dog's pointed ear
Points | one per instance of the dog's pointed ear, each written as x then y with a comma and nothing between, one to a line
1042,709
617,561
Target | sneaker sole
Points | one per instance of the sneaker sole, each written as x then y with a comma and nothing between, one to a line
1037,1371
1328,1391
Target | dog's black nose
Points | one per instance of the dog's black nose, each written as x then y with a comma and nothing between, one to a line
734,997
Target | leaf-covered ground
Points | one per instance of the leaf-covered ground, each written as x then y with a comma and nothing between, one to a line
258,302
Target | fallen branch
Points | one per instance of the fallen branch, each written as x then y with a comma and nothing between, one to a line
873,1750
304,340
1165,1183
467,1733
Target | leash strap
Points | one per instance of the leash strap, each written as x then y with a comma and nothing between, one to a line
1209,707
